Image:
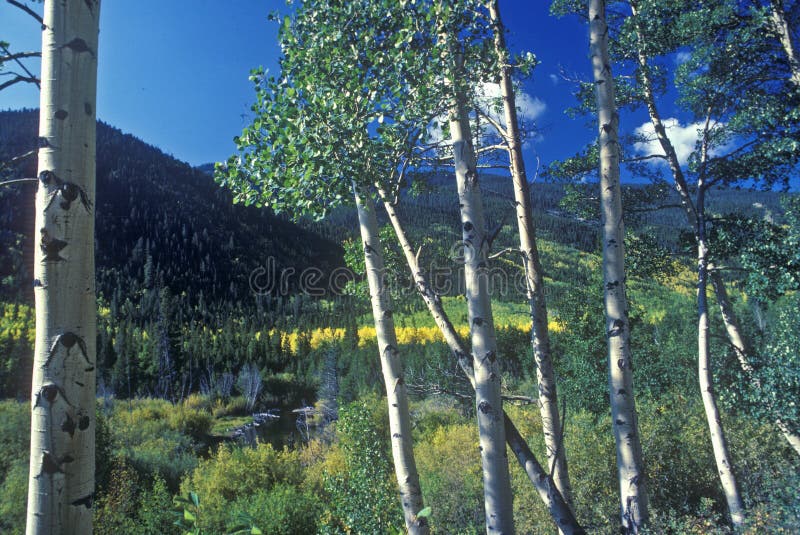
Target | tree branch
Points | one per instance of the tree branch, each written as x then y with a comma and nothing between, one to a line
18,180
643,158
19,55
27,10
17,79
22,66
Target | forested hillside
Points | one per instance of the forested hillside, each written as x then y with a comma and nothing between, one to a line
160,223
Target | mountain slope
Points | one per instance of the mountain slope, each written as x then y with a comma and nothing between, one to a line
159,223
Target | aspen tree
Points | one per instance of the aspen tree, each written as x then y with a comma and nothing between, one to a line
630,467
61,484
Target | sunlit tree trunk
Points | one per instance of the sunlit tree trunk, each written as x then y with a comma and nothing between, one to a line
541,480
781,26
488,403
705,375
540,337
399,420
630,467
61,484
732,327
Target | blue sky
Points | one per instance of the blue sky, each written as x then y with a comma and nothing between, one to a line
174,72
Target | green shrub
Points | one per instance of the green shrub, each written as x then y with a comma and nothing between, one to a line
282,510
133,506
236,473
13,496
363,498
450,475
191,422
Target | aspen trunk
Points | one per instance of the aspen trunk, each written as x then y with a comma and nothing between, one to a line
61,483
631,475
559,509
781,27
488,403
405,467
718,441
732,328
540,337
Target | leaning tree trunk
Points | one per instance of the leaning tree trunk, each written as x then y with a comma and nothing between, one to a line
540,337
630,468
784,33
559,509
399,420
488,402
718,441
732,328
61,484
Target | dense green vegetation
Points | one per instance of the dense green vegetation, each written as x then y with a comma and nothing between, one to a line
150,450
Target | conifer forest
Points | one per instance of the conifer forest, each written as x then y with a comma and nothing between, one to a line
393,306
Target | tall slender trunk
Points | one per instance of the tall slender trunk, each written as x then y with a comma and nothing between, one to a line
559,509
732,327
61,483
781,27
405,467
540,337
630,468
705,376
488,403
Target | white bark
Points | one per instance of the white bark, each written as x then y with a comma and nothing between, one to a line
732,329
781,27
61,484
540,336
705,376
399,420
488,402
559,509
630,468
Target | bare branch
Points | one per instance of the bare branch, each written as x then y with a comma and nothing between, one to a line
18,181
22,66
496,124
16,159
488,148
507,250
19,55
17,79
643,158
27,10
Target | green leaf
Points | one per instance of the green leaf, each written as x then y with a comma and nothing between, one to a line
425,512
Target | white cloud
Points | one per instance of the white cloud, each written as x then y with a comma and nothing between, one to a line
683,138
529,109
554,79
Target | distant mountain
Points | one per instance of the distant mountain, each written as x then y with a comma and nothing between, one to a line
160,223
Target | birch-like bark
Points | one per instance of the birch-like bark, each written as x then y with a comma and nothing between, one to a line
732,329
540,337
630,467
781,27
61,483
560,511
488,402
405,467
705,376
